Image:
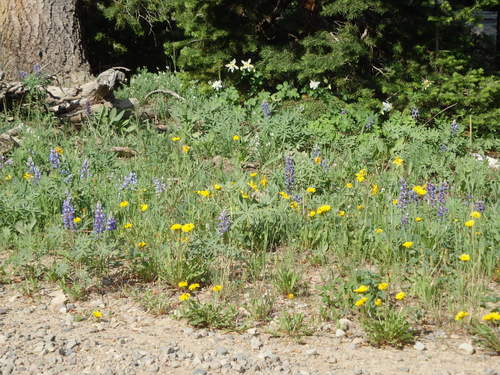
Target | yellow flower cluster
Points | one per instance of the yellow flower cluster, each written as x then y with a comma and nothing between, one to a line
311,190
374,190
491,316
460,315
420,189
322,209
284,195
360,302
469,223
362,289
398,161
186,228
217,288
361,175
464,257
203,193
407,244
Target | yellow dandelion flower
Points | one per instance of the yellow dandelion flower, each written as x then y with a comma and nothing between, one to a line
185,149
311,189
360,178
360,302
182,284
76,220
374,190
491,316
184,297
378,302
290,296
217,187
469,223
123,204
362,289
341,213
360,207
400,296
28,176
141,244
263,181
379,230
420,190
398,161
348,185
253,174
322,209
143,207
97,314
194,286
460,315
395,202
383,286
317,160
253,186
418,219
236,137
217,288
8,177
475,214
464,257
59,150
244,195
186,228
176,227
407,244
294,205
127,225
284,195
312,213
203,193
175,139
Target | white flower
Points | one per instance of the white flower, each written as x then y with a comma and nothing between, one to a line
314,85
426,84
247,65
386,106
232,66
217,85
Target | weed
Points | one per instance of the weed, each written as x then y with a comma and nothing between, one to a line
293,324
209,314
388,327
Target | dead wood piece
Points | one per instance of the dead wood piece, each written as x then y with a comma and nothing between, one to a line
165,92
9,140
124,152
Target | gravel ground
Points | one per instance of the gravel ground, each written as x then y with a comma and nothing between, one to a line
44,336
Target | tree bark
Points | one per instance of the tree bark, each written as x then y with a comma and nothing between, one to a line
44,32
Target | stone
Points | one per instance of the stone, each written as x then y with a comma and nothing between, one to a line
344,324
255,343
340,333
199,371
489,371
58,300
252,331
221,350
419,346
404,369
467,348
312,352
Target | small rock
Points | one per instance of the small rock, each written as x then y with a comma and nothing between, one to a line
339,333
252,331
345,324
188,330
255,343
404,369
332,360
3,311
355,343
199,371
467,348
312,352
489,371
220,350
419,346
358,372
58,300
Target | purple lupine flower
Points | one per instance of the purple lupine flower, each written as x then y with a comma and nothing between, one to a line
431,194
111,223
130,179
99,219
224,224
369,123
33,169
443,148
266,110
289,174
403,198
5,162
405,219
23,75
442,193
442,210
160,187
479,206
68,214
84,170
454,127
415,113
54,159
88,108
297,198
37,69
68,179
315,152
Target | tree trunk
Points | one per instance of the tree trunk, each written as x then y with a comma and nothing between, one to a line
44,32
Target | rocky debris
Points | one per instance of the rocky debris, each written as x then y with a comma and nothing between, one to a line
340,333
419,346
467,348
344,324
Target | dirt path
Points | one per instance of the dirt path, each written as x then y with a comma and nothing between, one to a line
38,337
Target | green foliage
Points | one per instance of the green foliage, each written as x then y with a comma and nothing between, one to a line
485,335
293,324
388,327
209,314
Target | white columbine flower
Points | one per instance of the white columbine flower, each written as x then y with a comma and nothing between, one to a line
232,66
314,85
247,65
217,85
386,106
